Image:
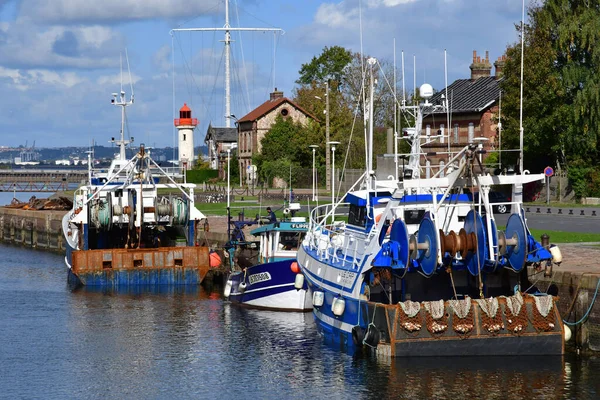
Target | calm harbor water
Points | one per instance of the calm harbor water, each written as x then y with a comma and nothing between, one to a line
175,343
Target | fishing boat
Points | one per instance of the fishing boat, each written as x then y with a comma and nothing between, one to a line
134,223
416,267
265,272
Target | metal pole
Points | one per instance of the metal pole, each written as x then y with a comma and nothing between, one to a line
313,175
227,77
333,174
228,191
327,159
521,106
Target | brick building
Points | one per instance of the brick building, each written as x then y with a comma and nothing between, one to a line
253,126
473,111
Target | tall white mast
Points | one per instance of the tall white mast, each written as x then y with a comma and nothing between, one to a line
228,29
227,72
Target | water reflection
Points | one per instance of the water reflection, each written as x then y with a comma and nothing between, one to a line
186,342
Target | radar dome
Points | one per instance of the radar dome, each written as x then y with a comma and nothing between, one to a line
426,90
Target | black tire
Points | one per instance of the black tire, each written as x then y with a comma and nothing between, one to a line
358,335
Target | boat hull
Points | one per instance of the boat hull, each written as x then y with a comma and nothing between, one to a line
270,286
534,336
129,267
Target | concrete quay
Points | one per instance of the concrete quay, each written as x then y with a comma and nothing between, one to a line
576,281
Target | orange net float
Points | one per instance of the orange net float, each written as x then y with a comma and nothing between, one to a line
295,267
214,259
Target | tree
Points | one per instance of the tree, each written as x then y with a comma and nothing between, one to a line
328,66
286,144
561,85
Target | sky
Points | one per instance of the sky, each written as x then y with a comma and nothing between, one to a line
60,60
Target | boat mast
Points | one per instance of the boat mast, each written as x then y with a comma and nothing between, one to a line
119,99
227,72
227,29
370,184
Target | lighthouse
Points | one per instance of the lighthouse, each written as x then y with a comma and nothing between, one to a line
185,125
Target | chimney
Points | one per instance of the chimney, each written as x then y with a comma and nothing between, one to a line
276,95
499,65
481,67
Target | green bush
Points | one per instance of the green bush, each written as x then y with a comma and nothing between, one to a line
201,175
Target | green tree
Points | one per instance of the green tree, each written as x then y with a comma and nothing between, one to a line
561,105
286,144
328,66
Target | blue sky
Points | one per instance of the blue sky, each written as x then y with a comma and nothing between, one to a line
59,59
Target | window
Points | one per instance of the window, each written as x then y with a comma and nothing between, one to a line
455,133
357,215
284,112
184,137
471,132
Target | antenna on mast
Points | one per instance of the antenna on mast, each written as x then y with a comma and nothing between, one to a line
129,71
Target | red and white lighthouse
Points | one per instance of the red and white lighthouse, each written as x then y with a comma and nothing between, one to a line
185,125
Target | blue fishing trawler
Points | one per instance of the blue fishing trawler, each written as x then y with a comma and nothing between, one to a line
416,267
265,272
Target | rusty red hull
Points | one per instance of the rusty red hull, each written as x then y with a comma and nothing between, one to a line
125,267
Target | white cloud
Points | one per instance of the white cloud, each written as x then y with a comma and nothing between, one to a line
24,80
111,11
58,46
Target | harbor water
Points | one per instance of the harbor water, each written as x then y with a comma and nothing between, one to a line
176,343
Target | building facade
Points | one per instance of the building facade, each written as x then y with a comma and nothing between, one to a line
473,114
218,141
253,127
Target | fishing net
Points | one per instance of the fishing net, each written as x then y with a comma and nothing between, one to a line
543,319
517,320
491,320
436,317
410,317
462,322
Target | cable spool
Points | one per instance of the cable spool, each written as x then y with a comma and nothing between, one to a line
427,245
476,255
399,234
513,242
180,211
162,210
101,213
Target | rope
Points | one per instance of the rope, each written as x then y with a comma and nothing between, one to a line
588,310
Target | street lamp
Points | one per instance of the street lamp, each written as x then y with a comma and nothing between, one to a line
333,144
327,161
314,148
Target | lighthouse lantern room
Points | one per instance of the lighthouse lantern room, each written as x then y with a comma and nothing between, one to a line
185,125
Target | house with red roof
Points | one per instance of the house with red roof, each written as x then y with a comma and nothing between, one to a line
253,127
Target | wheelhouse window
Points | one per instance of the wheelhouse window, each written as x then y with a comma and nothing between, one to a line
291,240
357,215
